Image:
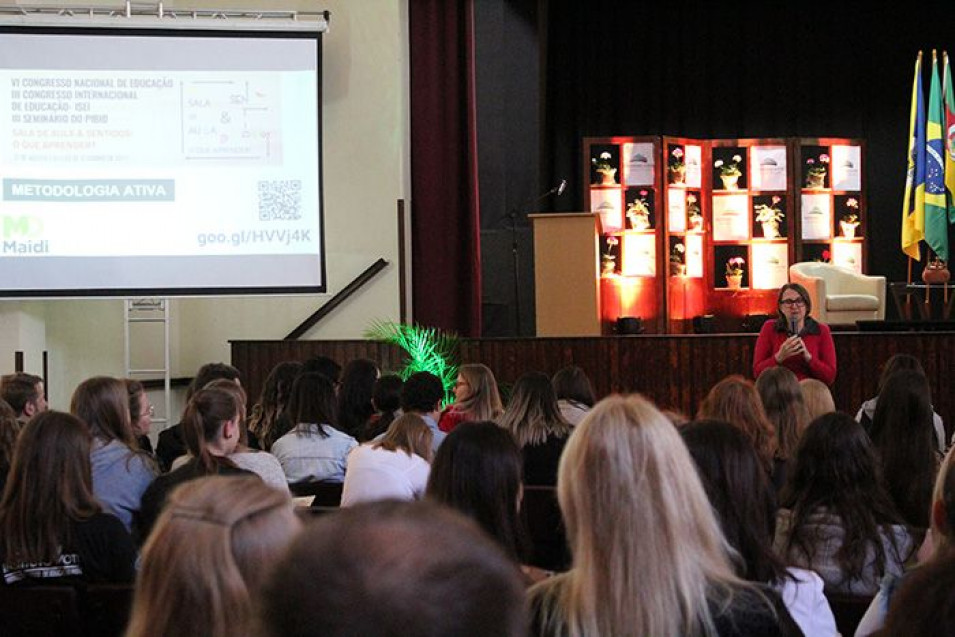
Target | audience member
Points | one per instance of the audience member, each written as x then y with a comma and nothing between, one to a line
477,471
782,401
314,450
636,513
925,603
121,471
817,397
422,394
575,393
171,443
213,547
735,400
355,394
903,436
210,426
533,418
745,505
25,393
270,410
836,518
795,340
475,398
386,397
899,363
9,430
140,413
52,529
394,467
393,569
326,367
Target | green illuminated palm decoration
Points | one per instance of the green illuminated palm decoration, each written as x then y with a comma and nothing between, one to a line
428,349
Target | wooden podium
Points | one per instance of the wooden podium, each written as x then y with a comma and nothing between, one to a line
567,274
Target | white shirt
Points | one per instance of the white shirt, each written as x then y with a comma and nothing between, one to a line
374,474
807,604
305,455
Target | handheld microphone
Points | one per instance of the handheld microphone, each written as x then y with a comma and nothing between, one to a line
562,187
792,326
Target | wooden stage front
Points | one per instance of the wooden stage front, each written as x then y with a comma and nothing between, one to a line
675,371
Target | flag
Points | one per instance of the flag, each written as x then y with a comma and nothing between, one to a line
936,210
949,100
913,207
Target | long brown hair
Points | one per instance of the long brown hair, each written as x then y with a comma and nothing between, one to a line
9,431
208,410
103,404
783,403
410,434
532,415
49,485
735,400
484,403
209,554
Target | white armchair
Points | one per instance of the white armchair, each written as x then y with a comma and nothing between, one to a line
840,296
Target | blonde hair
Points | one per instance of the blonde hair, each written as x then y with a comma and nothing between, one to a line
943,531
817,397
208,556
484,403
635,512
409,433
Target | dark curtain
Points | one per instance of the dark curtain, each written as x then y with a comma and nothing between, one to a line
741,69
446,262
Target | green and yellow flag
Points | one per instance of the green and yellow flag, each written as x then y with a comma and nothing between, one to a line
936,208
949,100
913,206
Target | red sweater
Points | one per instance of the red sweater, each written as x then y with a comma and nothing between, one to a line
451,418
818,340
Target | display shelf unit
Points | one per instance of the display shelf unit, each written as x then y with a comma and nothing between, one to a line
832,209
623,185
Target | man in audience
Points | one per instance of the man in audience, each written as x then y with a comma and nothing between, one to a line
422,394
25,393
390,569
171,445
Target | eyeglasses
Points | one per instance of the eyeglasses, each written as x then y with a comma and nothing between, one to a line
792,302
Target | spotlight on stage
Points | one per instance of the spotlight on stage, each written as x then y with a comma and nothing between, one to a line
704,324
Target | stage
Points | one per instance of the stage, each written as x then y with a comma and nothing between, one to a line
675,371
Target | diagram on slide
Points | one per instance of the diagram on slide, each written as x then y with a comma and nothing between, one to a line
231,119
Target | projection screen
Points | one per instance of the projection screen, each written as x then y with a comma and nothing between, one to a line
158,162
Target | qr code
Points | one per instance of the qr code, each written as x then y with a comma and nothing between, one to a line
280,200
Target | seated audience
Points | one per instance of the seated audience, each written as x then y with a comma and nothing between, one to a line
140,413
477,471
354,396
326,367
422,394
924,606
210,425
899,363
25,393
266,414
9,430
314,450
394,467
745,504
533,418
393,568
575,393
204,565
171,443
817,397
52,529
782,401
121,471
836,518
637,513
904,441
386,397
475,398
735,400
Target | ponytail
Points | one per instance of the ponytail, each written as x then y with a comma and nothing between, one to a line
208,410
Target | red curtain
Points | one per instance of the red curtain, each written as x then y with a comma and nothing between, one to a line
445,226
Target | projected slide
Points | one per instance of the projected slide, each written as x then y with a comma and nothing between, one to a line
159,162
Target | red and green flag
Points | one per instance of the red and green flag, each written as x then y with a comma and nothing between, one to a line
936,206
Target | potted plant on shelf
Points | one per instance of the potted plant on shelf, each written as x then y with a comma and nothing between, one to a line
676,166
734,272
850,220
638,213
729,172
604,169
816,169
694,214
678,259
609,260
769,216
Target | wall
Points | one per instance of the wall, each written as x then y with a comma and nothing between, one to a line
366,170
